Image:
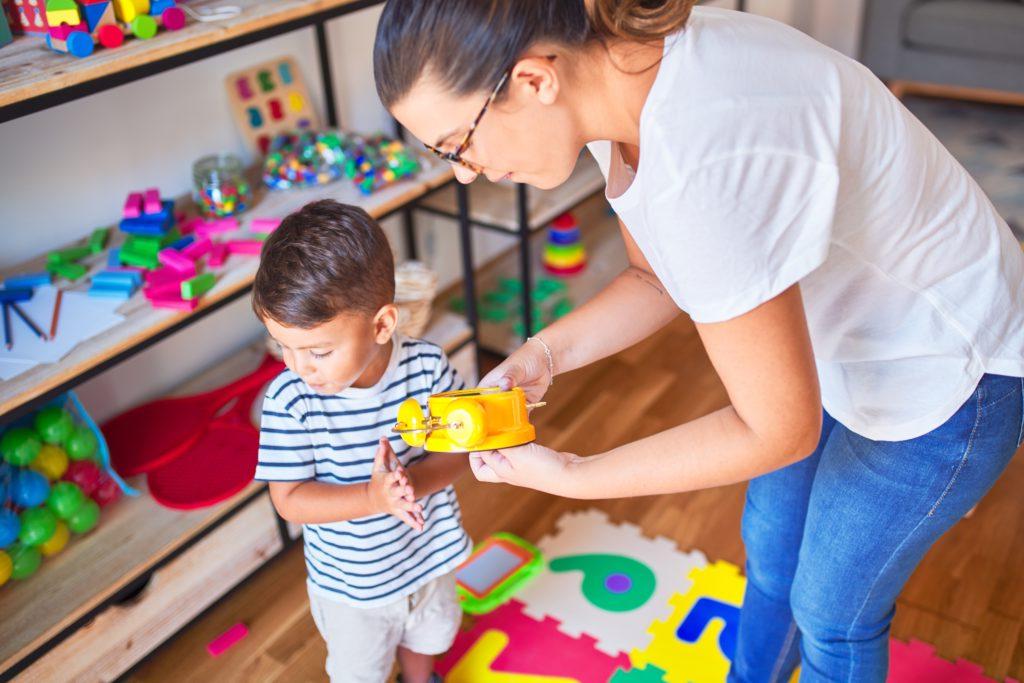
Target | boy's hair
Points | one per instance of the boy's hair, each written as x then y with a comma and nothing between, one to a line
323,260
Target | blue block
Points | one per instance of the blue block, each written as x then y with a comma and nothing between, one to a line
125,278
114,258
15,294
111,292
157,7
182,243
93,14
166,211
30,280
144,225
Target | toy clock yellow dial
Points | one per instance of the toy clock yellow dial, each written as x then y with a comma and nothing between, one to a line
481,419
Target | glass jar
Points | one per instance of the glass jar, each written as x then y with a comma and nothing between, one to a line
219,186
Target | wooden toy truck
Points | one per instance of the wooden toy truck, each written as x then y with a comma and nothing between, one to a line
75,26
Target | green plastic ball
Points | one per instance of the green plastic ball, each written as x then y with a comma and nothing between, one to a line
37,526
54,424
85,517
20,446
65,499
24,561
81,444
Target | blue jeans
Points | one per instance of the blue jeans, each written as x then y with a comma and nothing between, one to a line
832,539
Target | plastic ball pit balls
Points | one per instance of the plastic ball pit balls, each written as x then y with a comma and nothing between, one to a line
86,474
29,488
10,527
19,446
24,561
37,526
6,567
52,462
81,444
85,517
54,424
65,499
57,541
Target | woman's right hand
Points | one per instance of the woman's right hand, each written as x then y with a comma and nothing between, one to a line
527,368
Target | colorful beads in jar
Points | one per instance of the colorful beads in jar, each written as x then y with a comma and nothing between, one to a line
303,159
219,186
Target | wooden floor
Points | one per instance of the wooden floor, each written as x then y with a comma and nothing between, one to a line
967,598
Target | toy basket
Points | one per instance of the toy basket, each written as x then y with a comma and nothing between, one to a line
415,288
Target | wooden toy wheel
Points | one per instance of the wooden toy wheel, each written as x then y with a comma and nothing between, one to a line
411,423
110,36
466,421
80,44
173,18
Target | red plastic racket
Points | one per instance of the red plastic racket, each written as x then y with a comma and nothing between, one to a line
220,464
155,433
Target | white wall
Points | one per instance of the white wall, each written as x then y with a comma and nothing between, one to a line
67,170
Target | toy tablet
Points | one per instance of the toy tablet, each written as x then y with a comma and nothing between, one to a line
498,567
481,419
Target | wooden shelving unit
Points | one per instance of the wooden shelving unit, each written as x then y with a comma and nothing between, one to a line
143,322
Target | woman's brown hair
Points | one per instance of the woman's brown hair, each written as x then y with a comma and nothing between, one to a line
468,44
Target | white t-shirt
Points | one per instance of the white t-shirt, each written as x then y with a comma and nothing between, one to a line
768,159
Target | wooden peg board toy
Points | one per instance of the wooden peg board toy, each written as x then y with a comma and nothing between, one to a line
269,99
481,419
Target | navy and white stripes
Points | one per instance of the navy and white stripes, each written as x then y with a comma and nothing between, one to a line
374,560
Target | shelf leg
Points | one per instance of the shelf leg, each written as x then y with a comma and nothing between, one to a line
523,210
408,224
468,274
326,80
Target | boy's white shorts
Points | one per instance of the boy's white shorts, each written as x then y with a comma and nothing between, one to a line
361,643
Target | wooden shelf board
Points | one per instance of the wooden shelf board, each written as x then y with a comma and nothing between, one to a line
495,203
134,534
606,258
29,69
143,321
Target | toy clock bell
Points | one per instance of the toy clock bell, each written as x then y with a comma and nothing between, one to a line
482,419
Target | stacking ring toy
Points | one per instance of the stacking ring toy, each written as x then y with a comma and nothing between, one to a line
482,419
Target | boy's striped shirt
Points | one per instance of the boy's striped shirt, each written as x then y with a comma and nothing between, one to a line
373,560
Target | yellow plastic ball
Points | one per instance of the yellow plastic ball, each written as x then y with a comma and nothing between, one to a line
56,542
52,462
6,567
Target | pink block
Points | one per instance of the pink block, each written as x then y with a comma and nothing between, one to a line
151,201
177,261
201,247
224,641
165,275
205,228
133,205
264,224
64,30
176,303
163,291
218,252
251,247
536,647
188,226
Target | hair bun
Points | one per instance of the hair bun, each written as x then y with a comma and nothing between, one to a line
638,20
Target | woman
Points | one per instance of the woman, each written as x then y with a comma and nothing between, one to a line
830,251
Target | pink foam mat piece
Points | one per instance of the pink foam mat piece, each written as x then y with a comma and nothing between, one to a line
535,647
916,662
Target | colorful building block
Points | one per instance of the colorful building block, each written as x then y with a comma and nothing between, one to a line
15,294
98,239
206,228
133,205
612,595
151,203
162,276
250,247
197,286
30,280
29,15
98,14
111,290
132,257
113,258
264,225
63,12
68,271
174,259
176,303
199,248
68,255
180,244
129,276
127,10
218,254
508,645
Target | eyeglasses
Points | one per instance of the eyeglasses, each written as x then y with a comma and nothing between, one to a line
456,156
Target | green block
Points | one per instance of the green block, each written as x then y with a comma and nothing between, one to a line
68,255
172,236
144,245
197,286
98,240
69,271
131,257
511,284
55,5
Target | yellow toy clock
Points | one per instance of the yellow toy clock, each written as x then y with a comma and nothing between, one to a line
481,419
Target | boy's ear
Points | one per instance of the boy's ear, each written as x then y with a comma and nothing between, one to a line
385,323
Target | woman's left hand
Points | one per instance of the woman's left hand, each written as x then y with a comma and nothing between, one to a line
531,466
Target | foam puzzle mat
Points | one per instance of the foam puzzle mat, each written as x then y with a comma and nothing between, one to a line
614,606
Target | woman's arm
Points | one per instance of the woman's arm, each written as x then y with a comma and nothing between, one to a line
629,309
764,359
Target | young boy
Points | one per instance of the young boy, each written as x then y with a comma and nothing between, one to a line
325,290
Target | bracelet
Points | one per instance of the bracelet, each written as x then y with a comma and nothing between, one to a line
550,357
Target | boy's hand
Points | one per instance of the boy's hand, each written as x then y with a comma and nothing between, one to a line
390,490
